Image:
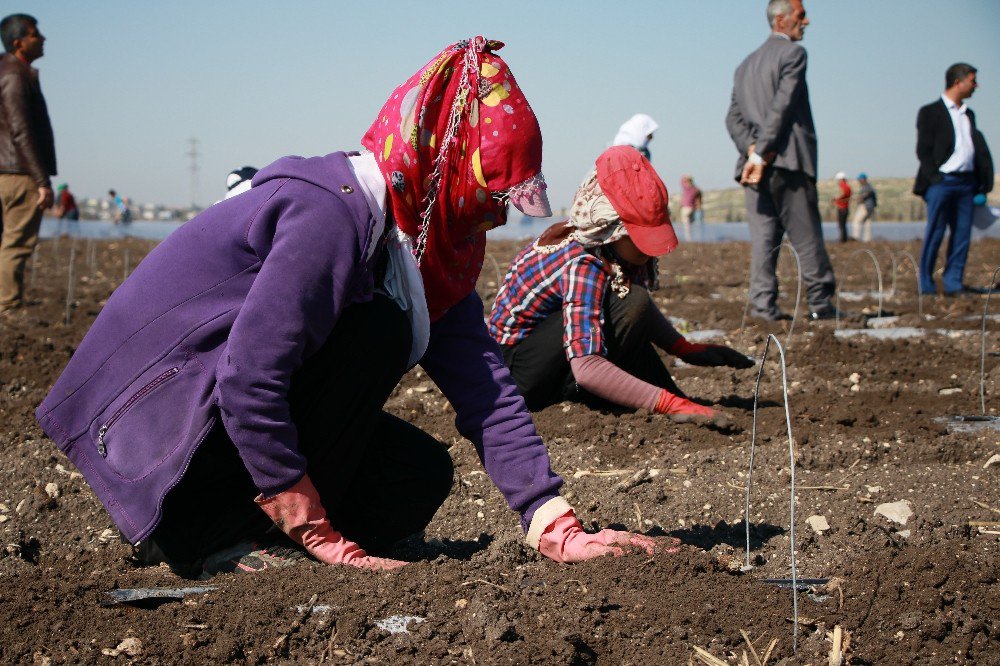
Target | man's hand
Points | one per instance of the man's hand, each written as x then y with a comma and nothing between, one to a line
45,197
753,170
752,173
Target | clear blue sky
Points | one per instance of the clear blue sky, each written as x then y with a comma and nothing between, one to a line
129,82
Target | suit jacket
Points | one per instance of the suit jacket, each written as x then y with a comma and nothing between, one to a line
936,143
26,142
770,107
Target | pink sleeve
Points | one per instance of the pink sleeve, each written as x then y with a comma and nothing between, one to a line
661,331
606,380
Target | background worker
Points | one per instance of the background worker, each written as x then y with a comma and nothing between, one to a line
841,203
864,213
637,132
65,208
574,309
690,204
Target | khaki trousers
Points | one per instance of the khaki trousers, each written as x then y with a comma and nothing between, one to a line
862,218
686,213
20,219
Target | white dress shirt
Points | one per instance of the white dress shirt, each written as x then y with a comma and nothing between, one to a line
963,159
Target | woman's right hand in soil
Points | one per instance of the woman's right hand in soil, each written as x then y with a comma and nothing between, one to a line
565,541
682,410
300,515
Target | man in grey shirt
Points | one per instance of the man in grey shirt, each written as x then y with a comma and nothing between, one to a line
771,123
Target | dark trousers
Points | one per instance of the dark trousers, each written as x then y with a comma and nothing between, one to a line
842,224
786,203
949,206
380,479
542,372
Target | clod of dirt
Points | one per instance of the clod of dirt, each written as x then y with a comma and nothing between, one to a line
818,524
898,512
130,647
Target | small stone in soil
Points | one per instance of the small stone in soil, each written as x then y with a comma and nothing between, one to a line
898,512
818,524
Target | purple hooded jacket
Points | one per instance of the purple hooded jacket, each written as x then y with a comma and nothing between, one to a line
216,319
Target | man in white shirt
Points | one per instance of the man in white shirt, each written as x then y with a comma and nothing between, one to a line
955,165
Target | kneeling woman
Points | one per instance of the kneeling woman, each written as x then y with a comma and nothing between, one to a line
236,380
574,310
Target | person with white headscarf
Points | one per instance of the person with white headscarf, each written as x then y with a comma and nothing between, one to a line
637,132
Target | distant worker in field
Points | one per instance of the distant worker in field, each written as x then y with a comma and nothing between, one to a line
27,153
690,204
864,214
637,132
66,208
842,201
770,121
119,209
955,166
238,181
574,316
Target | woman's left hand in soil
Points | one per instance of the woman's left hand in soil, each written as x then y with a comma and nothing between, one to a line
566,541
710,355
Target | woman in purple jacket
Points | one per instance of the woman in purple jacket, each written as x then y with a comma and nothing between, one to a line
236,380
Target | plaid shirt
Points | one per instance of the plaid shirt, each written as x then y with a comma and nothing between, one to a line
537,285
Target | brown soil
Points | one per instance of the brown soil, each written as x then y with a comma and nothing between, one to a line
926,593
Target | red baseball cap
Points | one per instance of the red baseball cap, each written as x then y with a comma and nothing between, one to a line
639,196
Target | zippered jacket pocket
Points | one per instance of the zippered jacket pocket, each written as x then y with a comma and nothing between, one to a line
102,432
151,419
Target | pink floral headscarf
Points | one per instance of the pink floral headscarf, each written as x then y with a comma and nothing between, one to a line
455,142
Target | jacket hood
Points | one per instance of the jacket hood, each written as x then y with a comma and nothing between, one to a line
318,171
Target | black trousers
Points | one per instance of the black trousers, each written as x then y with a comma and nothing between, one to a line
842,224
542,372
380,479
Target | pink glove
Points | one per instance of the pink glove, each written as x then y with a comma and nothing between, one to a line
683,410
300,515
565,541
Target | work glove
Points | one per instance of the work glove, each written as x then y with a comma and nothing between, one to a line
682,410
300,515
709,355
565,541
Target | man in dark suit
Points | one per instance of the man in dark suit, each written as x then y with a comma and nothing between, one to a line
771,123
955,165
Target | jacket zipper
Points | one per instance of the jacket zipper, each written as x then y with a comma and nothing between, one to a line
102,447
